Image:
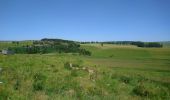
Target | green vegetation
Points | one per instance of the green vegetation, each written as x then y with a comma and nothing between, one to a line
147,44
112,72
49,46
136,43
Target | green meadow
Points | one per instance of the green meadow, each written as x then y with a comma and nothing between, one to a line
112,72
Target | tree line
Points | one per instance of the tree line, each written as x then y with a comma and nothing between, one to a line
136,43
51,45
147,44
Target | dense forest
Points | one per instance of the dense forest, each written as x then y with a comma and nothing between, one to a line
136,43
49,46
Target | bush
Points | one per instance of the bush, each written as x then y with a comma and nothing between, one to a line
76,65
67,66
125,79
84,52
39,81
38,85
17,85
151,90
141,91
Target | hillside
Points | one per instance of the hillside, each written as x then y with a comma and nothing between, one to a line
111,72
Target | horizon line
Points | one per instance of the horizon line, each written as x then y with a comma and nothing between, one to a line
80,41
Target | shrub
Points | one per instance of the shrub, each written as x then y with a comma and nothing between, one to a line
76,65
39,82
141,90
84,52
151,90
125,79
17,85
38,85
67,66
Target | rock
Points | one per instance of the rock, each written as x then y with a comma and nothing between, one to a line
90,71
84,68
77,68
71,65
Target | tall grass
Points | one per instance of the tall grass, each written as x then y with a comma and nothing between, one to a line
131,74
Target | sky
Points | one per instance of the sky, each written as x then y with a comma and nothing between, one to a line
85,20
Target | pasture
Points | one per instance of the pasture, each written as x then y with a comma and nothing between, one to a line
119,72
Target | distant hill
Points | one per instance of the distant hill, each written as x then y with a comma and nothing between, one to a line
68,45
136,43
46,46
165,43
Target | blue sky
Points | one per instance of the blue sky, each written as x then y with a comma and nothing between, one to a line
85,20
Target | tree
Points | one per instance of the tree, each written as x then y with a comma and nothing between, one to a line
102,44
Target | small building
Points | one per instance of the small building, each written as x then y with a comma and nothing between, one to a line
7,52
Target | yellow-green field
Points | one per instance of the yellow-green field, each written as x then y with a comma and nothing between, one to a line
119,73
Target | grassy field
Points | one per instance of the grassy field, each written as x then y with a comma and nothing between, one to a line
117,73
